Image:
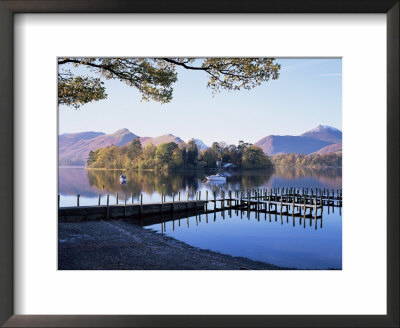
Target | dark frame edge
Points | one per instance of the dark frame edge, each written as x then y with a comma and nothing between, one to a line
6,223
393,163
6,165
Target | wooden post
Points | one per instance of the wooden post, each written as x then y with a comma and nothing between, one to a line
207,202
108,206
98,200
322,204
116,199
173,201
132,197
126,197
77,199
199,194
223,199
179,196
281,205
293,205
58,200
141,204
315,210
215,200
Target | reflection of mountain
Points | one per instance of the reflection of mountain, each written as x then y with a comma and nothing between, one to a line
308,177
72,181
306,143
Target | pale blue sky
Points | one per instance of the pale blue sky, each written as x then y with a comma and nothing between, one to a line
307,93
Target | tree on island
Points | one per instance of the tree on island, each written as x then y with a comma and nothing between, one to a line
154,77
170,156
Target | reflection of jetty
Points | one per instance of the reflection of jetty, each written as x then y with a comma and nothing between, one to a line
303,203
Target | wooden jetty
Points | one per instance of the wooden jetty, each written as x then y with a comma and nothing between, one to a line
295,202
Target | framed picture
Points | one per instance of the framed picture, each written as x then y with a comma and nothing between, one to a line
230,167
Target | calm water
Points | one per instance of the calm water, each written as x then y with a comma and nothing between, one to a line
267,238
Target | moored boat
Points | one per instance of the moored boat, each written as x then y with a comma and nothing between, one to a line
216,177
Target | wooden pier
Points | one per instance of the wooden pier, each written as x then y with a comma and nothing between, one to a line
295,202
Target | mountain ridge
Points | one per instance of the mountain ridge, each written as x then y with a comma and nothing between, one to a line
74,148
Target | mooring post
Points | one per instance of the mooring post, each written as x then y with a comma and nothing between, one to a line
322,204
141,204
179,196
108,206
281,205
126,197
58,200
77,199
315,210
98,199
116,199
293,205
199,194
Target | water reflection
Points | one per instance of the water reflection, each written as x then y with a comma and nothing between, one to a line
287,240
91,182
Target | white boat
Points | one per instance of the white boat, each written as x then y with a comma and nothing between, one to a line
216,177
122,178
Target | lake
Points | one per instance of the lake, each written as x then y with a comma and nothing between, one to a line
269,238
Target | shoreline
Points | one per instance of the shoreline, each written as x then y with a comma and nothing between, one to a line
122,245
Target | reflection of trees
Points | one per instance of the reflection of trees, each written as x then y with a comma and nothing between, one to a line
167,182
144,181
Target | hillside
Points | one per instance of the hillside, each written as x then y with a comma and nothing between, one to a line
335,148
161,139
309,142
74,148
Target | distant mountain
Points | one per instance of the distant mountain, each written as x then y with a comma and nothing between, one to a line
335,148
273,145
307,143
161,139
200,144
324,132
74,148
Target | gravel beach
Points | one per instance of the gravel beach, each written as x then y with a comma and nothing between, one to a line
122,245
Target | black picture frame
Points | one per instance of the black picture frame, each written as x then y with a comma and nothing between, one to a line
10,7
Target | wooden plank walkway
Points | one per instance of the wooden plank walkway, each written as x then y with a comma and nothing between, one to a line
275,200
